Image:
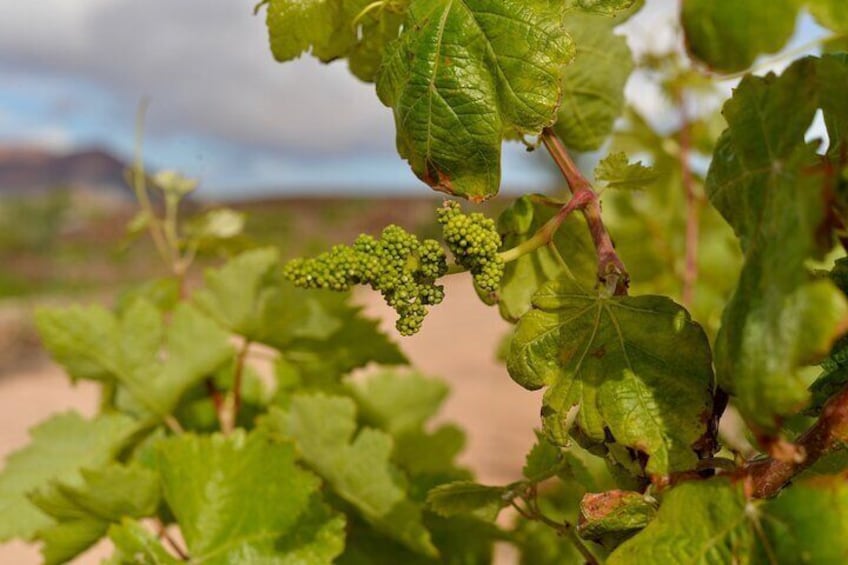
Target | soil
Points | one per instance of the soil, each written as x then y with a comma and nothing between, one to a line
458,344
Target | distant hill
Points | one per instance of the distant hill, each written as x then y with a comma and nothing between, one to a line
27,171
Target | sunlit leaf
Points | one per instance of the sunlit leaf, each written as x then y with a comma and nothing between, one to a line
770,186
462,76
637,368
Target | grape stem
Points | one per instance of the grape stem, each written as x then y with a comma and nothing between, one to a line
766,477
611,270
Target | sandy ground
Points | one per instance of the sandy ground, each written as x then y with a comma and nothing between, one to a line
457,344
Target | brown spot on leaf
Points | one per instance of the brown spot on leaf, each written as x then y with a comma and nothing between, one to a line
600,352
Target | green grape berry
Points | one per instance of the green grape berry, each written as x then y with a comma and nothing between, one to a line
398,265
474,241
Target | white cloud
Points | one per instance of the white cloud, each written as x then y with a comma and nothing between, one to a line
206,65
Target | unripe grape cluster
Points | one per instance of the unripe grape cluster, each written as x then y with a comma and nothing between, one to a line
398,265
405,269
474,241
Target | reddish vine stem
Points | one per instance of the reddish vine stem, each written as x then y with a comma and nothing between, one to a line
767,476
229,414
611,269
163,534
693,207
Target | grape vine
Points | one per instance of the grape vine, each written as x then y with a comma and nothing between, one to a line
629,464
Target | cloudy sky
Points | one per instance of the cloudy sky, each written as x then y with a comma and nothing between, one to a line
73,71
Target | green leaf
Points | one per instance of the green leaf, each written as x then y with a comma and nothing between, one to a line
711,522
234,294
92,343
427,453
356,466
593,84
82,513
572,251
612,516
135,545
606,7
617,172
197,347
807,523
465,497
771,187
465,74
729,35
698,522
637,368
544,460
397,403
334,29
355,343
243,498
60,446
832,14
80,339
315,330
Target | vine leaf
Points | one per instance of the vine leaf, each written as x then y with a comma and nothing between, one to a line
711,522
398,403
772,189
60,447
224,512
571,251
249,296
729,35
82,513
593,84
637,368
834,373
402,404
135,544
467,498
606,7
807,523
617,172
466,73
543,461
613,516
93,343
332,29
356,466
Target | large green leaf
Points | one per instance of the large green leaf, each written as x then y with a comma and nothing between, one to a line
357,466
593,84
728,35
772,189
464,74
242,498
710,522
60,447
82,513
637,368
92,343
571,251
